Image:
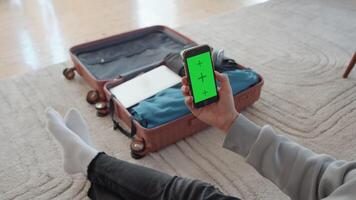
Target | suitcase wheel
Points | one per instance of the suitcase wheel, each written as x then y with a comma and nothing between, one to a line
137,147
92,96
136,155
68,73
101,109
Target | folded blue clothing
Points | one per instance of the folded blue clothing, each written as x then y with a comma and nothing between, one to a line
169,105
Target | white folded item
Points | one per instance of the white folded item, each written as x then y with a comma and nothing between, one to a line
145,85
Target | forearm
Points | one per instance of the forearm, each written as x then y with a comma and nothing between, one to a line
296,170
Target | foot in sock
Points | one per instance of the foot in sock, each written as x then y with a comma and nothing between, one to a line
75,122
77,154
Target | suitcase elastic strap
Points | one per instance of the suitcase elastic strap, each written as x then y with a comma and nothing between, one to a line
116,124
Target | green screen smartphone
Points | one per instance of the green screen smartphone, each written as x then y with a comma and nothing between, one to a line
200,72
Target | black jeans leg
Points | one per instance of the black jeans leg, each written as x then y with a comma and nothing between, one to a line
97,191
116,179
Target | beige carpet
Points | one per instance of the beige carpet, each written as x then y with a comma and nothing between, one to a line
299,46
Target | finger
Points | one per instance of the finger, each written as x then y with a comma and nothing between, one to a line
185,90
189,102
224,80
184,80
221,77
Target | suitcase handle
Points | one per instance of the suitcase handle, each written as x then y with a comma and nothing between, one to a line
129,134
116,124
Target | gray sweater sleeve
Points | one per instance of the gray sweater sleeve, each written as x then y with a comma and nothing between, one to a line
297,171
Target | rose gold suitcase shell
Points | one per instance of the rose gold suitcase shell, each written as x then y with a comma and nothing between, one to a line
145,140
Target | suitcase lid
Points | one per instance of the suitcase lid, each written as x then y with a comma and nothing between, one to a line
128,54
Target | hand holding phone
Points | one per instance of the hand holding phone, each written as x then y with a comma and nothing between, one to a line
209,104
199,69
220,114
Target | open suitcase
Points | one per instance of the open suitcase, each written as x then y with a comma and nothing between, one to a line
118,56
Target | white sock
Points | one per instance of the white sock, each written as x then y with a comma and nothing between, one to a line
77,154
75,122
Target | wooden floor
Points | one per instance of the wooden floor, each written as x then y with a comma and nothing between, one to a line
38,33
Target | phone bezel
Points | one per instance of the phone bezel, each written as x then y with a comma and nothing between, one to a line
193,51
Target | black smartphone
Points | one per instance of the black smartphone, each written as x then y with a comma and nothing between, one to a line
199,69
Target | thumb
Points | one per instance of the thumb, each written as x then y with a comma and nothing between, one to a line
223,79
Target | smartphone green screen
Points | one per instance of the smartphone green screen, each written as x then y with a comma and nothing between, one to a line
201,76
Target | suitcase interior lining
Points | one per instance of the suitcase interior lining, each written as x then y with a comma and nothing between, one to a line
129,56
